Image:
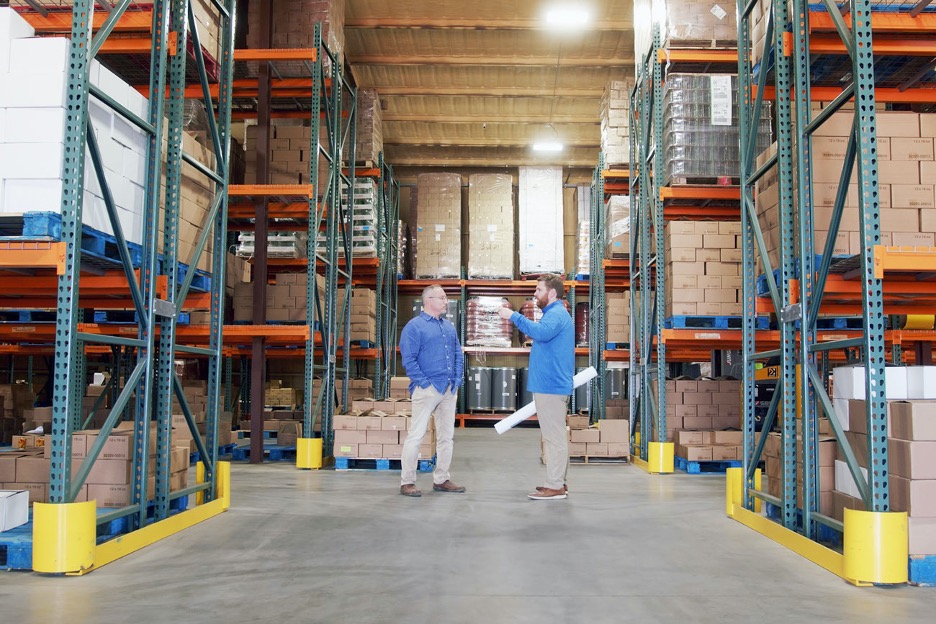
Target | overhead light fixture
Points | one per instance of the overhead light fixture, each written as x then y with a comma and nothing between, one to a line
547,146
567,17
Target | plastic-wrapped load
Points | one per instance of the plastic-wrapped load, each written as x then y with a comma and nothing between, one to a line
533,312
403,250
369,127
490,226
615,122
438,225
701,138
617,227
483,325
582,315
684,23
541,231
583,233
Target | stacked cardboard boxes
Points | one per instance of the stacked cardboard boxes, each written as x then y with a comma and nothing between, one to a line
617,235
14,399
906,197
290,154
708,445
617,323
377,430
615,122
911,417
583,230
703,268
399,387
490,226
363,315
275,394
357,388
437,252
294,23
286,298
825,456
541,229
369,127
702,404
611,438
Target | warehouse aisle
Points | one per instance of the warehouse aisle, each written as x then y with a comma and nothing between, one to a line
346,547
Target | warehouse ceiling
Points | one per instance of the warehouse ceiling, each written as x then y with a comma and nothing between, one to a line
475,84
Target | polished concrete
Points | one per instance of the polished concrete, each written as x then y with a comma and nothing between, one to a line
346,547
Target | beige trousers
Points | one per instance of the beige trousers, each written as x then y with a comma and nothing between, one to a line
429,402
551,412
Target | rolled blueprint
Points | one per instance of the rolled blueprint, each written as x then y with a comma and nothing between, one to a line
530,408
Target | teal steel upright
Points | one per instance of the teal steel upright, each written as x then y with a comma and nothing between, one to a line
387,255
596,293
804,361
151,379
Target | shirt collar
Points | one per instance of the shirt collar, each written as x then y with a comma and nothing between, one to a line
428,317
557,301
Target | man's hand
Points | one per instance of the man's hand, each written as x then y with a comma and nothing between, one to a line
505,313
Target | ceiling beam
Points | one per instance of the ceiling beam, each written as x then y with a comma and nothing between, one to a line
534,118
545,91
507,61
484,142
474,24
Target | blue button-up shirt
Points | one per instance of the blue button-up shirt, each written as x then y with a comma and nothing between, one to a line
431,353
552,358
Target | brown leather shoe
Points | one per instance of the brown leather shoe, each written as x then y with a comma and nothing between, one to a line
448,486
545,493
565,488
410,490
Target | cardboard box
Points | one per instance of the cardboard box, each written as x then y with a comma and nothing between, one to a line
344,422
618,449
393,451
596,449
109,472
734,438
345,450
393,423
722,452
688,438
372,423
577,449
913,420
614,431
695,453
910,460
385,437
32,469
584,435
370,451
345,436
922,536
917,497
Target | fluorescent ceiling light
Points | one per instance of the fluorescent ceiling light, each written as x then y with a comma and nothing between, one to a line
567,17
547,146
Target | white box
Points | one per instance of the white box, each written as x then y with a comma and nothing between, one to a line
31,160
129,135
921,382
134,166
14,509
540,207
39,90
12,26
34,125
26,195
849,383
895,383
101,118
843,479
111,84
39,55
138,104
841,412
3,116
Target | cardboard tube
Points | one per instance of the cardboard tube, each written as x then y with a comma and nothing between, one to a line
530,408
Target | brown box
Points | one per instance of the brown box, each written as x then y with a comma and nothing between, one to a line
32,469
688,438
857,418
735,438
596,449
344,436
38,492
922,536
697,423
577,449
723,452
614,431
345,450
584,435
912,420
386,437
393,423
344,422
618,449
109,471
578,422
369,423
916,497
393,451
370,451
910,460
695,453
362,405
687,385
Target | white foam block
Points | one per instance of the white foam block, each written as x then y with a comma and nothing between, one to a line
39,55
34,125
41,161
12,26
111,84
849,383
39,90
30,195
844,482
921,382
895,380
841,412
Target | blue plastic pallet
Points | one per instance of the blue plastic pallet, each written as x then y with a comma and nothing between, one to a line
700,467
352,463
273,452
713,322
364,344
227,449
130,317
27,316
611,346
923,570
761,281
16,548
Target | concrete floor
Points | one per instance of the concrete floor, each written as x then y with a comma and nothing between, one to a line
322,546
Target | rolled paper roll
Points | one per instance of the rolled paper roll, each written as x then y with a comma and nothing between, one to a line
530,408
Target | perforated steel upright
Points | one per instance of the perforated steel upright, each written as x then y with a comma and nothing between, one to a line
800,373
597,320
388,210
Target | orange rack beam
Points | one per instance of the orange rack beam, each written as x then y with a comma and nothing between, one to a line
33,254
271,190
697,56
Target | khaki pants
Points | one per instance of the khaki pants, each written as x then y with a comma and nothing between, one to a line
551,412
429,402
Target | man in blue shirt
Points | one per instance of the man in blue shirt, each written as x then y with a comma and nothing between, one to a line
433,359
552,365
